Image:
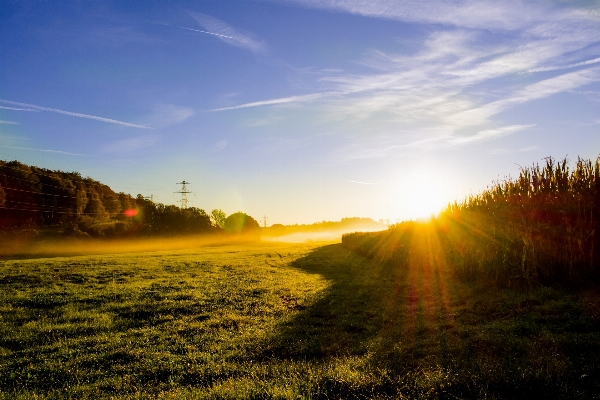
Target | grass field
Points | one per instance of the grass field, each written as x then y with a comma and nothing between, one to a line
275,320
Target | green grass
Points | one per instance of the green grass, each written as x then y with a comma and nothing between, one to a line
285,321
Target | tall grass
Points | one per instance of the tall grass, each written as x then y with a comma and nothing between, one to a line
539,228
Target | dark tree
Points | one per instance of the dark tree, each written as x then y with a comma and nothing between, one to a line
2,197
218,217
94,206
112,205
81,199
126,201
240,222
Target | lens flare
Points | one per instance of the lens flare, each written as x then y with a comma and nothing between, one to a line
130,212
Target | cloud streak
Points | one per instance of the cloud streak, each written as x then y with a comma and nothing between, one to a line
74,114
559,67
479,14
17,109
226,33
282,100
489,134
43,150
200,31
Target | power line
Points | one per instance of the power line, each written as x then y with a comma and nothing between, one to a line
46,194
47,211
184,192
35,204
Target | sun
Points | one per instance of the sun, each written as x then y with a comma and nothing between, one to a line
426,194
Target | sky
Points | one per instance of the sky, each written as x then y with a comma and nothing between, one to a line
300,110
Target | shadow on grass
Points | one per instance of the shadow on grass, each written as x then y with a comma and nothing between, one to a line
425,333
347,315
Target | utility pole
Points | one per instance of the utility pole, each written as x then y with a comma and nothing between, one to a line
265,221
151,198
184,192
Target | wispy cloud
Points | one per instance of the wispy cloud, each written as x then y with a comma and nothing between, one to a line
18,109
484,14
490,134
165,115
133,144
228,34
9,122
366,148
74,114
479,59
219,146
558,67
538,90
200,31
43,150
282,100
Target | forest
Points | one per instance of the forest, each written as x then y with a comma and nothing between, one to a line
37,198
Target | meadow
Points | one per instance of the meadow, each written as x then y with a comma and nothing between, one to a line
281,320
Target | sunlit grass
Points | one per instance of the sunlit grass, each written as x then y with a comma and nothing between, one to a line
286,321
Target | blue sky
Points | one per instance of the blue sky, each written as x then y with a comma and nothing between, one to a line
301,110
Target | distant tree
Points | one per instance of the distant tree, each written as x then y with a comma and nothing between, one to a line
240,222
146,213
196,220
277,229
112,205
81,199
218,217
94,206
125,200
2,197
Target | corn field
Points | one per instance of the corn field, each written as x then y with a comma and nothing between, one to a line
540,228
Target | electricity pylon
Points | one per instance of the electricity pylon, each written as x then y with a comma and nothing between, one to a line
265,221
184,192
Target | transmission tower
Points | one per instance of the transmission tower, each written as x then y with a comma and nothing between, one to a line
184,192
265,221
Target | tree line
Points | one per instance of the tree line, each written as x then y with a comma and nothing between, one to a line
32,197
